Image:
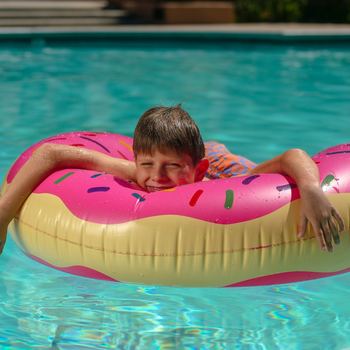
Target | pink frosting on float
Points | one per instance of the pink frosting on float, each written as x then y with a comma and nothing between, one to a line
76,270
116,145
101,198
278,278
286,277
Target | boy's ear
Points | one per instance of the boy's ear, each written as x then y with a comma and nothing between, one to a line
201,169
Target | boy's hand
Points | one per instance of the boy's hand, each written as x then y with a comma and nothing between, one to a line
315,207
324,218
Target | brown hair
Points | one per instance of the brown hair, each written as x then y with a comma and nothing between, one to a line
168,128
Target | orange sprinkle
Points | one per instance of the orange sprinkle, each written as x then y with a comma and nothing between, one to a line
126,145
170,189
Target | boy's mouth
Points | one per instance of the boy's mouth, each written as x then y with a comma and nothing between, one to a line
157,188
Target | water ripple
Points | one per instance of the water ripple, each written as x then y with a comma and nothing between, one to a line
259,100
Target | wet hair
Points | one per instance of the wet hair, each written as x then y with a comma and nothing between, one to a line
168,128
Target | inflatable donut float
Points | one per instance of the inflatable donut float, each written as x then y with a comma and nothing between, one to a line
220,233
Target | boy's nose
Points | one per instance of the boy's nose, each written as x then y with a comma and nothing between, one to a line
159,175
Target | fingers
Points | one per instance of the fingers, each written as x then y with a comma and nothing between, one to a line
319,233
339,220
327,234
332,226
334,230
320,237
330,229
302,226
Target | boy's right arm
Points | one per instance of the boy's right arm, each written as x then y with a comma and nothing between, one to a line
46,159
315,206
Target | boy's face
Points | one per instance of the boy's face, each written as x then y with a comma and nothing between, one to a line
166,169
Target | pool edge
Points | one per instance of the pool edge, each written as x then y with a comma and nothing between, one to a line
279,33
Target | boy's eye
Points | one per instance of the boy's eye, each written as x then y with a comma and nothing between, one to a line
146,164
173,165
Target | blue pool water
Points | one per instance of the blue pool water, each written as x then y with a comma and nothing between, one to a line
258,99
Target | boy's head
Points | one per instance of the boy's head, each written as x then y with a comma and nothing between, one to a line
168,149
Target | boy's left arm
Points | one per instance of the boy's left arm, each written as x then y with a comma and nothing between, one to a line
316,208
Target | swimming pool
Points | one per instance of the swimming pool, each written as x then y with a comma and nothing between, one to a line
258,99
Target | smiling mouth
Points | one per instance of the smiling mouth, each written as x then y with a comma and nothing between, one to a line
156,189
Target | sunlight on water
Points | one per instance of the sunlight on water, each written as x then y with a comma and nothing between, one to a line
259,100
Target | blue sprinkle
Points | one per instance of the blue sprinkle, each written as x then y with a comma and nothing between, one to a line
139,197
96,175
249,179
98,189
97,143
336,152
285,187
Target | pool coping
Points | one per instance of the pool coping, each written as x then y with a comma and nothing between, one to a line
291,32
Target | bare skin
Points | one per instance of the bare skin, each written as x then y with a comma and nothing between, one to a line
315,207
168,169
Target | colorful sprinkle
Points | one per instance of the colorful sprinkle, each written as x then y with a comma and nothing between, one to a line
56,139
123,155
97,143
336,152
138,197
95,175
285,187
126,145
63,177
249,179
327,180
169,189
229,199
98,189
77,145
195,198
327,183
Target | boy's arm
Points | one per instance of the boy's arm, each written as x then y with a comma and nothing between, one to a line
316,208
46,159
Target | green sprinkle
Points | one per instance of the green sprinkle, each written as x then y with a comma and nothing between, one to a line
229,199
327,180
63,178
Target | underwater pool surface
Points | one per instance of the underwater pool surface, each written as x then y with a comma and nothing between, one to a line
259,100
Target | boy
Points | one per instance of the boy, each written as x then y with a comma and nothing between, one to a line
169,151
